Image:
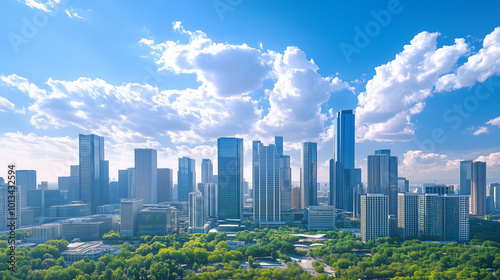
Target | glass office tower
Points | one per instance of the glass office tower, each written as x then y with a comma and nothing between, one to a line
186,178
91,148
309,175
230,177
207,171
343,181
146,176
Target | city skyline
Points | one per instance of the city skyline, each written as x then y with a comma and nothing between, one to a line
141,96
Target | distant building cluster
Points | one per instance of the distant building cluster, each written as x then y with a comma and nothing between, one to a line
145,200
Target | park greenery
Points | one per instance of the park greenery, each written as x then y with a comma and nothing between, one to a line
209,256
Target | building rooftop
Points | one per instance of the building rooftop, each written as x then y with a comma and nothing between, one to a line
81,248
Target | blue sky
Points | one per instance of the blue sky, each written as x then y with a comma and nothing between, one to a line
422,77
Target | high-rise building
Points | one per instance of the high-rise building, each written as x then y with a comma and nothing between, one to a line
210,198
114,193
478,189
408,215
296,198
383,177
278,141
91,149
285,183
129,215
465,176
8,207
443,217
71,184
403,185
165,185
186,178
266,184
343,161
146,175
230,177
123,185
374,216
104,182
26,179
207,171
494,191
196,210
308,175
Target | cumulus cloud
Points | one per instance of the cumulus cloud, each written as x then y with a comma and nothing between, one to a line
399,88
225,69
478,67
6,105
495,122
492,160
481,130
236,72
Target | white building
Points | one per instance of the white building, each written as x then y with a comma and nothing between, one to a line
374,216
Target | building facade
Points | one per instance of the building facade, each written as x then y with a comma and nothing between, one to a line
343,161
308,175
146,175
186,178
374,216
230,178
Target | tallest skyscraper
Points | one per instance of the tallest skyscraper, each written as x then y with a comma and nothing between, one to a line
344,179
94,169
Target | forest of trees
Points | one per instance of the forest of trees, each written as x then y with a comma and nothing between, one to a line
208,256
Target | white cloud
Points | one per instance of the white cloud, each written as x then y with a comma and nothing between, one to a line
46,6
6,105
492,160
495,122
481,130
238,71
226,69
478,67
399,88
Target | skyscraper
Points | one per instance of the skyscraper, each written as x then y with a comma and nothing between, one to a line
403,185
165,185
186,178
123,185
209,191
71,183
104,182
308,175
374,216
207,171
196,210
408,215
266,184
146,175
285,176
230,177
383,177
478,189
91,158
465,176
443,217
26,179
343,161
